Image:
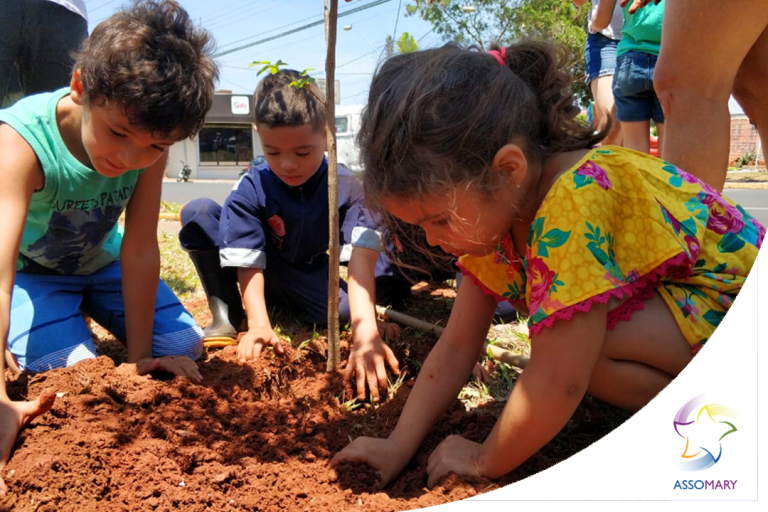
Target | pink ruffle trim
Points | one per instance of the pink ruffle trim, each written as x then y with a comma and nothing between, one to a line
639,291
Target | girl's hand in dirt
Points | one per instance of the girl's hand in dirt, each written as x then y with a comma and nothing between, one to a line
454,455
177,365
383,455
13,417
366,362
253,342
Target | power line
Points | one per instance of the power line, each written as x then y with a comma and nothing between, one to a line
303,27
397,18
101,5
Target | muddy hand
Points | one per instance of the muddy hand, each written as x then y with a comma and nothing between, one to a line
382,455
251,344
13,417
367,361
454,455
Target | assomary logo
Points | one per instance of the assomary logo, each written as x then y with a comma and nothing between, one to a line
704,426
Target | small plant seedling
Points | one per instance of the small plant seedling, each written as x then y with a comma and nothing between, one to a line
392,387
267,65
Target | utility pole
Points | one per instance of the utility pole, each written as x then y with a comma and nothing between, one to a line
390,46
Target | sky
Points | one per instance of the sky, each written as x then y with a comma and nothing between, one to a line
234,23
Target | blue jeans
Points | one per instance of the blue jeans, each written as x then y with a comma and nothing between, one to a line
599,56
48,329
38,38
633,90
305,288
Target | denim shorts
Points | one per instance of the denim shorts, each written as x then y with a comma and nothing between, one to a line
599,56
48,330
633,90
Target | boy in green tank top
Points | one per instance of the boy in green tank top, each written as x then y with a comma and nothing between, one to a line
72,161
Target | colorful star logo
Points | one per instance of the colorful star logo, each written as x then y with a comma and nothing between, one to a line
703,433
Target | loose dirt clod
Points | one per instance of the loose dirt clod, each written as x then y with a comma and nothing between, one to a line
254,436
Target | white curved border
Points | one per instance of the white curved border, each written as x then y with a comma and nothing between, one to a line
637,461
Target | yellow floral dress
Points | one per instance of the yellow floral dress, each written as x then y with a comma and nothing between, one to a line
622,224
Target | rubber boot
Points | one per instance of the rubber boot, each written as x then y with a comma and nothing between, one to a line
224,301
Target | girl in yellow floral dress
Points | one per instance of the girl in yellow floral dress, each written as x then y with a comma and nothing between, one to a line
625,263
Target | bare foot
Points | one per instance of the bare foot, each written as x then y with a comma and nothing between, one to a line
13,417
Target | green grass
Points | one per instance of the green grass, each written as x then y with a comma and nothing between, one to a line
177,270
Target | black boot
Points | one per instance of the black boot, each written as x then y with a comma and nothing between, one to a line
224,301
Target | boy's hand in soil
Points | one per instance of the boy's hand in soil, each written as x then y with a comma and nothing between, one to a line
454,454
13,417
367,357
383,455
254,340
177,365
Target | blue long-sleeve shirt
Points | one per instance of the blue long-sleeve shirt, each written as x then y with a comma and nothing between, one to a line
264,218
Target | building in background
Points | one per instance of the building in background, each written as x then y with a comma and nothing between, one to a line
226,143
745,141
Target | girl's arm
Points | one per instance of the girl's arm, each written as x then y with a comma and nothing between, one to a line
603,15
368,352
21,175
260,330
140,264
445,371
545,396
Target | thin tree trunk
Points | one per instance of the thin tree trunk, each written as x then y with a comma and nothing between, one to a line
331,16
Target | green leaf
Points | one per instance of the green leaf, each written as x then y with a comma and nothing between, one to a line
730,243
262,70
718,269
258,63
714,317
555,238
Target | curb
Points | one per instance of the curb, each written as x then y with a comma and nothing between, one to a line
170,216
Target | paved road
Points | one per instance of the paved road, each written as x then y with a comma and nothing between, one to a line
754,201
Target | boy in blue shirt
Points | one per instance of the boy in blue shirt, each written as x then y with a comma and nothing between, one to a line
272,236
72,161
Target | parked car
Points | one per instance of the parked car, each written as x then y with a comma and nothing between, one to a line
257,160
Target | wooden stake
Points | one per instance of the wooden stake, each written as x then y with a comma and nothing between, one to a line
331,15
505,356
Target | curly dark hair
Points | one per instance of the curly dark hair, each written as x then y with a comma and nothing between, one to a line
278,104
155,64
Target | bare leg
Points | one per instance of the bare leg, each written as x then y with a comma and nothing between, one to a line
660,141
605,108
640,357
637,135
750,86
705,42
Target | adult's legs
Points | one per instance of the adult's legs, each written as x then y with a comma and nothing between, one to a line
705,43
605,107
637,135
749,88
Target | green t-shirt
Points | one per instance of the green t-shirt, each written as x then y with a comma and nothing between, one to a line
641,31
71,225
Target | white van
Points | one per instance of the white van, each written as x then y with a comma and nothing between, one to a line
347,126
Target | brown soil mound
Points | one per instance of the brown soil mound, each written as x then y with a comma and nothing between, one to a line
256,436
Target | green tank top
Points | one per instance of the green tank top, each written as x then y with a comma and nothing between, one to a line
641,31
71,225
